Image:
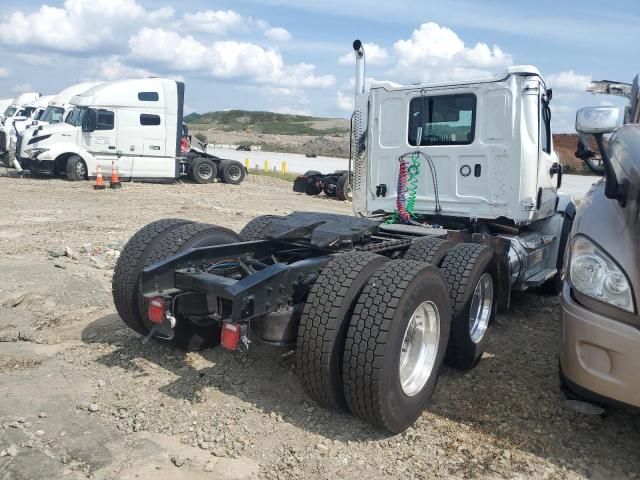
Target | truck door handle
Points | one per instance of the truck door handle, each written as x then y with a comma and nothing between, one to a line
111,147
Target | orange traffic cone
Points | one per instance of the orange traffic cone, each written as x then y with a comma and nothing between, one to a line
115,179
99,180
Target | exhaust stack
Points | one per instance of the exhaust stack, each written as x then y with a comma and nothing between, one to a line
358,48
359,122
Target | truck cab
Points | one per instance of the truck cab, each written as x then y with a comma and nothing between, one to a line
134,123
32,112
56,112
487,145
18,110
474,155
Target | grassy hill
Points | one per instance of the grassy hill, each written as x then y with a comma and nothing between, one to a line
267,123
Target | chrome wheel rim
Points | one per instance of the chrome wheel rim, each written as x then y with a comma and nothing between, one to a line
81,170
205,171
419,348
481,308
234,172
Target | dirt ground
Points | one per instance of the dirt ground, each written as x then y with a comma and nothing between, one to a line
82,397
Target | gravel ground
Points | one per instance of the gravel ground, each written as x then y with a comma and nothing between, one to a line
82,397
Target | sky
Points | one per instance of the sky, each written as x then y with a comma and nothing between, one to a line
294,56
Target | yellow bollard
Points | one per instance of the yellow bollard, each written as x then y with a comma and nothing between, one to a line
266,166
284,168
246,163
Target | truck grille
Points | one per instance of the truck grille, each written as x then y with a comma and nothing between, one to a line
3,142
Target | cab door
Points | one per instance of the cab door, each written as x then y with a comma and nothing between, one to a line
548,160
99,137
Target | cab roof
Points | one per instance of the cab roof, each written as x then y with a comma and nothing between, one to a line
525,70
124,93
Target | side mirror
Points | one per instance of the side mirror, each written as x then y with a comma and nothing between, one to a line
89,121
597,120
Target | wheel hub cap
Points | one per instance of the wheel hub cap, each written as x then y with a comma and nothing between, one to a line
204,171
481,308
234,172
419,348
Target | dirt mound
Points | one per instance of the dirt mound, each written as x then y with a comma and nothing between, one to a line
327,146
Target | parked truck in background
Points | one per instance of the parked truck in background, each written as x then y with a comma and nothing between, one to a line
5,103
56,113
136,124
18,110
457,202
32,112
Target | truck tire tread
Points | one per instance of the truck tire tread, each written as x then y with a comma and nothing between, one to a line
463,263
370,342
253,230
129,265
428,250
324,323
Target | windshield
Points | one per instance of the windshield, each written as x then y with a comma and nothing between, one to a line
76,116
10,111
25,112
52,115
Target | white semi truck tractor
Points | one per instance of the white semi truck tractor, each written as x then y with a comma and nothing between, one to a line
456,204
57,112
18,110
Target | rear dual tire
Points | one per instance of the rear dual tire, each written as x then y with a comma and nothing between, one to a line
232,172
324,323
151,244
388,378
471,276
203,170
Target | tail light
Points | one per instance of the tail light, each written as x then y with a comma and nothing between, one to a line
230,336
157,309
184,146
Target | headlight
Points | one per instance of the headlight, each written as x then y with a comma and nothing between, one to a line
592,272
34,152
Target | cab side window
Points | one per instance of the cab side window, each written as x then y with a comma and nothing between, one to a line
147,119
105,120
545,126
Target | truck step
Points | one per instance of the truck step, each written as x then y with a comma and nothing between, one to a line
542,276
413,230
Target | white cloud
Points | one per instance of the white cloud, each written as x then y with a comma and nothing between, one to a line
569,81
375,55
345,101
277,34
224,59
22,88
80,25
112,68
346,93
288,110
435,53
213,21
4,73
